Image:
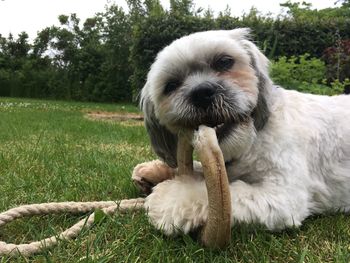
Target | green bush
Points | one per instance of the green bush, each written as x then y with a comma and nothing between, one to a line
108,56
297,69
305,74
337,58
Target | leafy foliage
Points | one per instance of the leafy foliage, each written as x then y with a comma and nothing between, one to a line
288,71
338,60
74,62
305,74
106,57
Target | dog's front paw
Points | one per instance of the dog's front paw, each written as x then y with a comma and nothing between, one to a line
147,175
179,205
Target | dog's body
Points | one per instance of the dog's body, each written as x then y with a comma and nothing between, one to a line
287,154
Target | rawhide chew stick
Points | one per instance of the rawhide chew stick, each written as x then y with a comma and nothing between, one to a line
216,233
185,153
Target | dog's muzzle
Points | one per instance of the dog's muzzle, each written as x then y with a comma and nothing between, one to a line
202,96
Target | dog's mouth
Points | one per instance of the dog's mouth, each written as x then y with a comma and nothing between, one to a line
222,126
217,127
222,129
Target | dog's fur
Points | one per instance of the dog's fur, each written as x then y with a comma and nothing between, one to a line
287,154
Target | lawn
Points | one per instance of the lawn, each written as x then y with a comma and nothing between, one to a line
51,151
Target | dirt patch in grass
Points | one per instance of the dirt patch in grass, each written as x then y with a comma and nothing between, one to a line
114,116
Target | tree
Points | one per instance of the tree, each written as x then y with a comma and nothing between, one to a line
181,7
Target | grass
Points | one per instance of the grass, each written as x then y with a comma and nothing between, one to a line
49,151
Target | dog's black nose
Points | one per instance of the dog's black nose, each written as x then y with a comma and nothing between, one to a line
202,95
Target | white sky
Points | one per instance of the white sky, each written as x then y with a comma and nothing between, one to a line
33,15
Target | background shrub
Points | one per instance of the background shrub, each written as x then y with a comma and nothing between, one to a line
106,58
305,74
338,60
298,69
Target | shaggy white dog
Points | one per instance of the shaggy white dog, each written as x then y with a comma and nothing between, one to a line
287,153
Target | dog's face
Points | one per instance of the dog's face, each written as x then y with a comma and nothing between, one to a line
215,78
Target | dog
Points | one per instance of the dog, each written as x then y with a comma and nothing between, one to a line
287,154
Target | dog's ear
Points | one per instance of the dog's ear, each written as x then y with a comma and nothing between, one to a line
260,64
164,143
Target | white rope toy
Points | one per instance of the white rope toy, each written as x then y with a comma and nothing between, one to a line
108,207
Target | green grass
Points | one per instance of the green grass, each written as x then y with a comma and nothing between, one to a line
49,151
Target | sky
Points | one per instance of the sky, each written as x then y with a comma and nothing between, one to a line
33,15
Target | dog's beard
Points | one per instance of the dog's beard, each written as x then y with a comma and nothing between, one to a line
224,113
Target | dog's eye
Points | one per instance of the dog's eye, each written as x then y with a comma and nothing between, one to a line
171,86
223,63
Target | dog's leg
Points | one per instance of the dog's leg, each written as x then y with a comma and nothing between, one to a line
147,175
272,205
181,205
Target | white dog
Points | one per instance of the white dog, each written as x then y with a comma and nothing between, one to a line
287,154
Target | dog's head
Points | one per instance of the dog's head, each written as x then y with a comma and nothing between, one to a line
215,78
